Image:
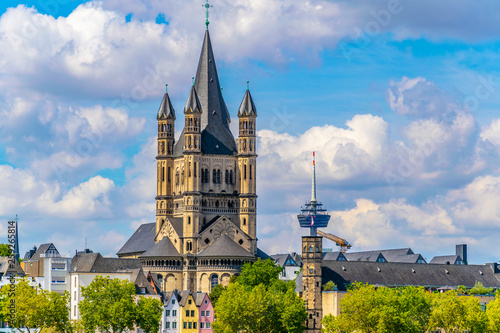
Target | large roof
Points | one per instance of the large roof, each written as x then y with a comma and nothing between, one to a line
141,241
447,260
42,249
95,263
216,137
402,274
224,246
163,248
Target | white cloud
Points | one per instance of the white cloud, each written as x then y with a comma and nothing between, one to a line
491,133
86,199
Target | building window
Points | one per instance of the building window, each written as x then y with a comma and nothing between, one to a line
310,270
190,325
192,313
226,176
194,170
167,324
203,313
202,325
214,280
74,310
167,313
206,302
207,313
168,175
184,325
187,313
174,312
195,324
250,173
174,324
245,171
208,325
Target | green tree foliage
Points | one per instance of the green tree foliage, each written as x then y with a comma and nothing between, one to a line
329,286
215,294
369,309
493,313
6,250
149,312
451,312
480,289
34,308
259,302
108,305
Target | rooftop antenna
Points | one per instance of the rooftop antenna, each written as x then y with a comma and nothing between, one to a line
207,7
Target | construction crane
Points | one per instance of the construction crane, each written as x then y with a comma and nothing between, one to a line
344,245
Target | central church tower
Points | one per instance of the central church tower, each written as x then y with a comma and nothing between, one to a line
206,187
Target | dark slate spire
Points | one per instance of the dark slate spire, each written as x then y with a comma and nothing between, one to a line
247,108
216,135
192,103
166,110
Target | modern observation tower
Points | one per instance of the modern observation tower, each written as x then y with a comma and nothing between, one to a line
313,215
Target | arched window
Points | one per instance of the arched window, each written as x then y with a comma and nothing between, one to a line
182,177
163,174
219,176
244,221
311,249
214,176
214,280
245,144
226,178
250,145
177,178
250,125
169,128
231,177
189,141
189,219
305,248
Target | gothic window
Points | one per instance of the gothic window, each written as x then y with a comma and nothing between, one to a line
163,174
196,142
214,176
250,145
189,169
245,171
182,177
226,178
189,219
194,170
250,173
177,178
219,176
244,221
244,144
250,125
169,128
189,142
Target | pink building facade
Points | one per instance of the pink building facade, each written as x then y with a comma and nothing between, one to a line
206,315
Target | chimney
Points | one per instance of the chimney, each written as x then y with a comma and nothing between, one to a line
462,252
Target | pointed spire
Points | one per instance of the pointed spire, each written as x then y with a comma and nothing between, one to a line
166,110
192,103
208,89
247,107
313,191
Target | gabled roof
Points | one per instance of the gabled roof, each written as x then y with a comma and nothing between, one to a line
334,256
284,260
177,224
166,110
199,297
262,255
95,263
167,296
42,249
141,241
163,248
447,260
5,267
247,108
183,297
372,256
401,274
224,247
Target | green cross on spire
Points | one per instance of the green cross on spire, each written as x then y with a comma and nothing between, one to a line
207,6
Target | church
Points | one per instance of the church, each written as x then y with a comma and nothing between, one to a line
206,203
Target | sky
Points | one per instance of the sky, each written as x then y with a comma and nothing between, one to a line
400,100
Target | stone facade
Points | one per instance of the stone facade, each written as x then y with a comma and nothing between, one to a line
312,258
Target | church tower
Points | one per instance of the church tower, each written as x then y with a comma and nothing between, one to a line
206,187
247,158
164,160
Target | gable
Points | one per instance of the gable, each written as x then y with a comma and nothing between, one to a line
223,226
168,230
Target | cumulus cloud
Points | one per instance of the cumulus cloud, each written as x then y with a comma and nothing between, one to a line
491,133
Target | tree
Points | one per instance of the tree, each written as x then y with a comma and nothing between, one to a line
108,305
369,309
215,294
259,302
451,312
6,250
480,289
329,286
493,313
149,312
34,308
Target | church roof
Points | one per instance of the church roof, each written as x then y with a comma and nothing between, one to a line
166,110
247,107
192,103
225,247
142,240
163,248
177,223
216,137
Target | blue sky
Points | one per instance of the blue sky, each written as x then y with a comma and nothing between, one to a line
400,100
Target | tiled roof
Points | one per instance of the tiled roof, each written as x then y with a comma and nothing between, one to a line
449,260
163,248
95,263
